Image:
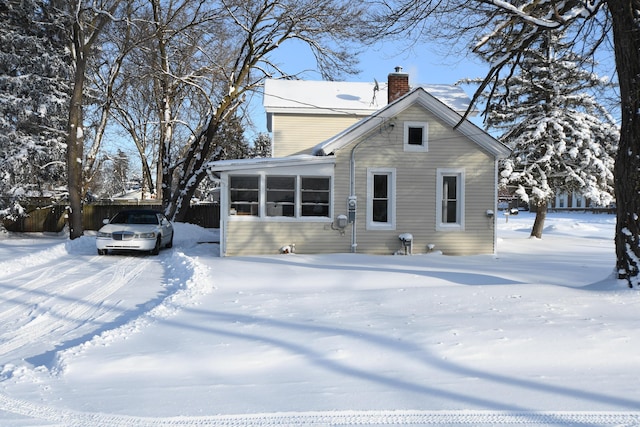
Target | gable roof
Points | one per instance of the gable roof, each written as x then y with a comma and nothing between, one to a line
330,97
421,97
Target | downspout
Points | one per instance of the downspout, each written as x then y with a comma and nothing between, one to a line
495,207
352,194
224,209
224,214
352,181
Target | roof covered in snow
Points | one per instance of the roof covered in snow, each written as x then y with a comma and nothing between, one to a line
330,97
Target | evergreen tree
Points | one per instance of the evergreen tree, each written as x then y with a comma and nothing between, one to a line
503,30
112,177
261,146
231,141
563,140
34,99
121,171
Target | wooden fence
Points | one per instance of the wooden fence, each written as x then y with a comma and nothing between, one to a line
52,218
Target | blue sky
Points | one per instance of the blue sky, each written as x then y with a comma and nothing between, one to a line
425,65
422,63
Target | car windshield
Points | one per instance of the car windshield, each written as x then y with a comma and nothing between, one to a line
135,218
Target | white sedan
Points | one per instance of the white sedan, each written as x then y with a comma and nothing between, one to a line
138,230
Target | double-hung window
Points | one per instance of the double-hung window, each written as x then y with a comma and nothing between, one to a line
381,188
450,199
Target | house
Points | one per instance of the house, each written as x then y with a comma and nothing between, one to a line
321,109
404,179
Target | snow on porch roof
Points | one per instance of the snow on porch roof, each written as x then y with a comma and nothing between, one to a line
266,162
328,97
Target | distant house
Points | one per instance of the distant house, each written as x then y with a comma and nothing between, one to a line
401,179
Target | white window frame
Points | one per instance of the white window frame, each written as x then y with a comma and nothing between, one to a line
391,207
460,205
246,203
579,201
424,147
301,192
281,206
262,204
562,200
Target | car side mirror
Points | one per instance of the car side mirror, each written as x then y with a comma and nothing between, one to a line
105,221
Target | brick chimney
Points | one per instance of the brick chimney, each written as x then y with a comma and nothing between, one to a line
398,85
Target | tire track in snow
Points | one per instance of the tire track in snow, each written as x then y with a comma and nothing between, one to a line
37,279
58,315
189,282
25,263
35,410
71,418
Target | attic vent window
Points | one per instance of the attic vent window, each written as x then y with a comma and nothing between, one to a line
416,136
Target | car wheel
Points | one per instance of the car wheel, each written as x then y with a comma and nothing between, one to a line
156,248
102,251
170,244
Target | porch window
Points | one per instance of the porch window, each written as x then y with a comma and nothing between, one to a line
281,195
450,200
244,194
381,199
315,195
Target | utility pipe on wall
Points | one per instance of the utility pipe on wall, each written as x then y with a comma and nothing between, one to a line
352,181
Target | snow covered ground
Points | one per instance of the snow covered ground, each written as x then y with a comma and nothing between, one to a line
541,334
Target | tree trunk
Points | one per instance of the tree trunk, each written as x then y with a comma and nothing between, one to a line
538,223
75,141
193,169
184,199
164,175
626,33
147,180
192,173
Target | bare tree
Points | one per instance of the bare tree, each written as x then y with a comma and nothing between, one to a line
87,23
103,86
207,57
515,26
132,112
